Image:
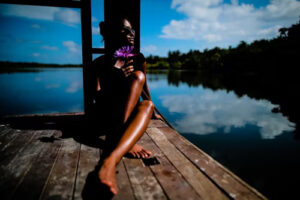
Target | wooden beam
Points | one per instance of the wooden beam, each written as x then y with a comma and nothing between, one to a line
98,50
86,31
54,3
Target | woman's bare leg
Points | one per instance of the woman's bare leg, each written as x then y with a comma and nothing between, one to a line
135,123
134,93
137,81
135,129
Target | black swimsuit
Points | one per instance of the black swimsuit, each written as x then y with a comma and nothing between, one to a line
113,85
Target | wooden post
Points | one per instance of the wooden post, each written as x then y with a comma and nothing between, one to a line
86,31
112,8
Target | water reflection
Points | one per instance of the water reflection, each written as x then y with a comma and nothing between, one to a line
44,91
206,111
247,128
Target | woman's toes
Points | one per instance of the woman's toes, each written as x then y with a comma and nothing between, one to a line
114,190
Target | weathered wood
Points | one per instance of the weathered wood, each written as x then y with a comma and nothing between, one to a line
18,142
33,183
2,128
89,158
13,172
144,184
60,184
125,191
35,163
229,182
156,123
174,185
7,137
203,186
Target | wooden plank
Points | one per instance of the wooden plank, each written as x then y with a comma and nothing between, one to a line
18,141
61,181
7,136
13,172
174,185
89,158
156,123
33,183
124,186
144,184
2,128
229,182
202,185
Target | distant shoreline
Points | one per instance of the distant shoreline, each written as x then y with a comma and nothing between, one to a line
11,67
4,64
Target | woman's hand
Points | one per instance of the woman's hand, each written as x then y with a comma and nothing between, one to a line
128,68
119,63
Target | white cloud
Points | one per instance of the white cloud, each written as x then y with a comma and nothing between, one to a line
63,15
38,79
208,111
95,30
51,48
76,108
67,16
94,19
74,87
36,26
35,54
32,12
149,49
72,46
52,86
223,24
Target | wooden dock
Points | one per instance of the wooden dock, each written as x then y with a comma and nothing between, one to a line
56,157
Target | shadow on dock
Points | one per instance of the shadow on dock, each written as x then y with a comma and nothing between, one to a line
70,126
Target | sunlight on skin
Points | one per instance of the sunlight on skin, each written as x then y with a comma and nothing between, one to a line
135,115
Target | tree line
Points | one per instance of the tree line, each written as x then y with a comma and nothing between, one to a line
260,56
264,69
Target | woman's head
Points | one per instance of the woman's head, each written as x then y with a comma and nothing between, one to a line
119,33
127,32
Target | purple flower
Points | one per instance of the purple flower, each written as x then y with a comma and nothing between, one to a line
124,52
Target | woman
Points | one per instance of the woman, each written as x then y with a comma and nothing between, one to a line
121,78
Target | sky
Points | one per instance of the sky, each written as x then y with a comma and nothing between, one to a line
53,35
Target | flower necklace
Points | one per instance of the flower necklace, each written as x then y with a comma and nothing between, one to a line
124,52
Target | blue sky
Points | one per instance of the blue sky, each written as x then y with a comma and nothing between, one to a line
52,35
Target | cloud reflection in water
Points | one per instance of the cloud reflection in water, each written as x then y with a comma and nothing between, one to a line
206,111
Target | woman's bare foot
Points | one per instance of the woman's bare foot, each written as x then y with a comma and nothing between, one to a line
107,175
137,151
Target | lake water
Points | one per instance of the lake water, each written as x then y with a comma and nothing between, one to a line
241,133
46,91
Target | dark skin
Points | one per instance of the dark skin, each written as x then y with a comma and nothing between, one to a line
135,116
